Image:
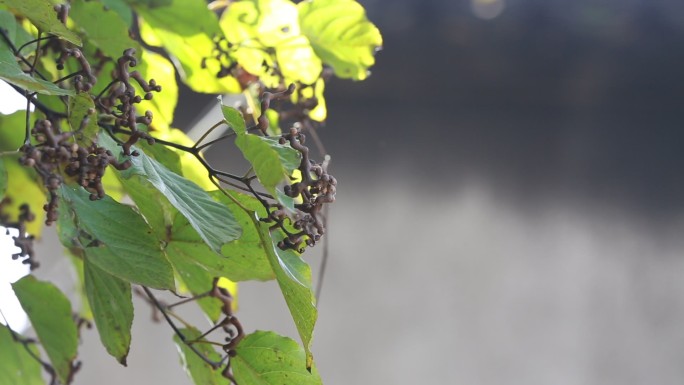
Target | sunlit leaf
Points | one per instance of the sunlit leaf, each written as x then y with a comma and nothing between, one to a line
117,239
163,104
320,112
175,26
3,179
265,358
112,306
294,278
189,165
113,186
273,122
50,314
17,366
83,117
197,369
103,27
22,188
341,35
297,61
267,41
148,36
43,15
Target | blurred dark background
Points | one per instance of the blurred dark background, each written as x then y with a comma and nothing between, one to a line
578,98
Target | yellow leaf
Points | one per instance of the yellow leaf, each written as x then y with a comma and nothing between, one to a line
22,188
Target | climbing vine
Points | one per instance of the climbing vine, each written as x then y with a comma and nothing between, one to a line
137,206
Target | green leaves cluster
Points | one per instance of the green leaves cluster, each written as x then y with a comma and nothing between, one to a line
164,224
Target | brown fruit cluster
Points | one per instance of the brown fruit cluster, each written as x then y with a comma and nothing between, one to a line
317,188
121,98
57,155
23,240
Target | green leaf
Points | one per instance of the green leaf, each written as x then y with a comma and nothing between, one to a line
341,35
176,26
82,107
152,204
103,27
121,8
233,117
43,15
12,130
294,278
273,162
112,306
17,366
3,179
15,32
11,72
240,260
265,358
199,371
212,221
50,314
150,3
117,239
196,277
84,311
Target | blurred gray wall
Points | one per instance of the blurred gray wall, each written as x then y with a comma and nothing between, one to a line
509,208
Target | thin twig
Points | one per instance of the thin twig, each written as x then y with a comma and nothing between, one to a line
324,258
214,365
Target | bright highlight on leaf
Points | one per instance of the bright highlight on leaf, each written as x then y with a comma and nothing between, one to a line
22,189
174,25
268,42
341,35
